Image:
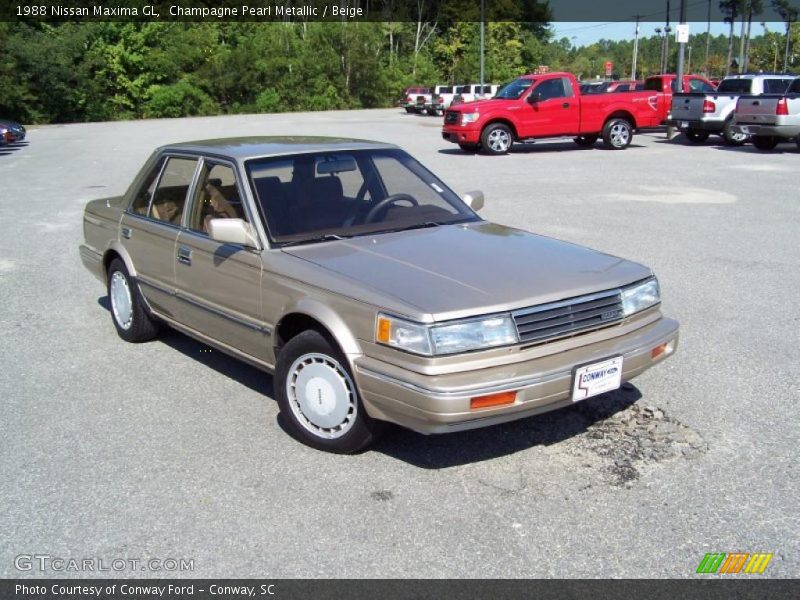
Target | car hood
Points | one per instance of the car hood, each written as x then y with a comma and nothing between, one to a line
482,105
455,271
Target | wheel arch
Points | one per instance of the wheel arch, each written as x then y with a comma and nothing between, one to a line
504,121
311,314
621,114
117,250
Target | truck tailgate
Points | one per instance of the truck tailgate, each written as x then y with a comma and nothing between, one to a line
688,107
751,109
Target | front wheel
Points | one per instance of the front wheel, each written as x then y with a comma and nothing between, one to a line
696,136
617,134
496,139
732,138
128,311
318,397
585,141
764,142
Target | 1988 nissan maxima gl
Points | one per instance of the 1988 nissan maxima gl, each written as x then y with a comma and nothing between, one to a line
368,287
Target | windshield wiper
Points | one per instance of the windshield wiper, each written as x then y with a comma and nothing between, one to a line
328,237
424,225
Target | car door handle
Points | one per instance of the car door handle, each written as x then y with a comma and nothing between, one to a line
565,105
126,232
184,255
756,103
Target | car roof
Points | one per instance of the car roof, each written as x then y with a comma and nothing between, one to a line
243,148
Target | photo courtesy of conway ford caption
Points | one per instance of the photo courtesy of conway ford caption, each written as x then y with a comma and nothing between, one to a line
368,287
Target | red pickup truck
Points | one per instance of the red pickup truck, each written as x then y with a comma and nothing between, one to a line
551,105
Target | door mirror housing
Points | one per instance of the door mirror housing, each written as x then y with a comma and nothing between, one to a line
534,97
474,200
232,231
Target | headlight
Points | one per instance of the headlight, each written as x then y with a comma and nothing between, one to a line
473,335
449,338
640,297
469,117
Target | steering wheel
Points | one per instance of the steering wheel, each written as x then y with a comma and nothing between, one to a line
391,199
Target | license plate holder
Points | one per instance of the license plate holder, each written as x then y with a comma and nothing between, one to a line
596,378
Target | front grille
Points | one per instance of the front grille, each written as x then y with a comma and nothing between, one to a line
569,317
451,116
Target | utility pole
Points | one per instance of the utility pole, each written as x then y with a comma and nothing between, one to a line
679,70
741,37
708,39
635,50
483,25
667,29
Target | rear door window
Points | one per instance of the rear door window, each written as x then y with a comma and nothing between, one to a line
170,194
653,85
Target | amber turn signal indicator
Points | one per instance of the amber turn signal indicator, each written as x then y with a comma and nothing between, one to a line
658,350
492,400
384,330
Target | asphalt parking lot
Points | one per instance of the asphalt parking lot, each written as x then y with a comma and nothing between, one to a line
165,450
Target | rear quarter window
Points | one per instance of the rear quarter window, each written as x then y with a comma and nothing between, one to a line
794,88
653,85
776,86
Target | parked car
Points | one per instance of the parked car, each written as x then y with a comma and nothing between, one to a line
546,106
4,135
474,91
665,85
699,114
440,99
409,101
320,260
770,118
15,132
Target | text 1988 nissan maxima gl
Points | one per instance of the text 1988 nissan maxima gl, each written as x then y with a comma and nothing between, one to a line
368,287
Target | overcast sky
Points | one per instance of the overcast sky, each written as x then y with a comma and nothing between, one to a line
588,33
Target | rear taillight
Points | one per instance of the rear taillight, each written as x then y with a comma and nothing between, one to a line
782,108
709,106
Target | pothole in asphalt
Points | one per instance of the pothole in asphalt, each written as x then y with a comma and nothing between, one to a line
626,443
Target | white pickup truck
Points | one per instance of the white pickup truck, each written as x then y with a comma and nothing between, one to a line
698,115
441,99
769,119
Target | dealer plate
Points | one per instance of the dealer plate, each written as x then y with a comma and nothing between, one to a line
597,378
684,124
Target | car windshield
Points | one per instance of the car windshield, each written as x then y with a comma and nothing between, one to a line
514,89
321,196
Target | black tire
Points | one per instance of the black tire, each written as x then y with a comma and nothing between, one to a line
617,133
469,148
409,109
338,395
731,138
696,136
133,323
496,138
798,143
764,142
586,141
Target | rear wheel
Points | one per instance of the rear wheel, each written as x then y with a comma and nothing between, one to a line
732,138
617,134
764,142
496,139
585,140
128,311
318,397
696,136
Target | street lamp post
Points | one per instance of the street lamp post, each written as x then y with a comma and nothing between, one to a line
667,31
661,61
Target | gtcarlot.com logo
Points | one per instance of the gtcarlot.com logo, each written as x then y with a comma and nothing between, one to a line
734,562
46,562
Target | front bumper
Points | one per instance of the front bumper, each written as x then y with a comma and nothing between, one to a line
458,134
781,131
441,404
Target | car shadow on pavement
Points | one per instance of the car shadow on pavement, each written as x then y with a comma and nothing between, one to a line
12,148
255,379
536,148
456,449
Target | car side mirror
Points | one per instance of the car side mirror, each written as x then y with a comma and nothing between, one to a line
534,97
232,231
474,200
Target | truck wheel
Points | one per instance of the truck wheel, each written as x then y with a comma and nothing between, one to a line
318,398
731,138
764,142
696,136
585,140
469,148
128,311
798,143
617,134
497,139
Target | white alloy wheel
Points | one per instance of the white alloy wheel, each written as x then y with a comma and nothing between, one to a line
121,300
